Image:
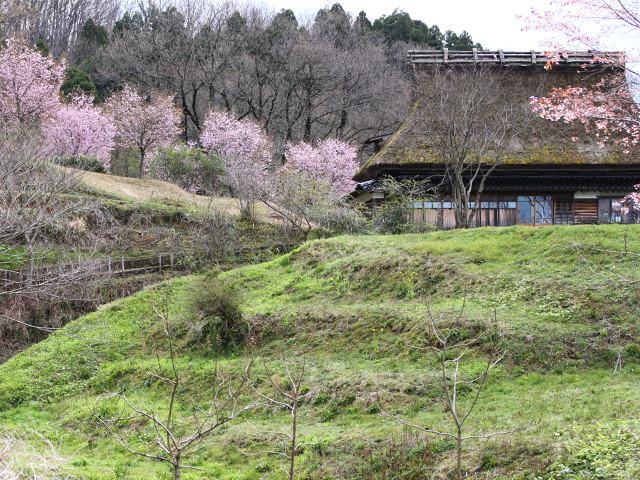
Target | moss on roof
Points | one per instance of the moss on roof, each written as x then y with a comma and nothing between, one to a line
546,143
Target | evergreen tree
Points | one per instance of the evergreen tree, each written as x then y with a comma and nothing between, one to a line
94,34
463,41
77,81
400,27
42,48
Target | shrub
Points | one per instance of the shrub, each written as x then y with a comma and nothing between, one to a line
81,162
215,306
189,168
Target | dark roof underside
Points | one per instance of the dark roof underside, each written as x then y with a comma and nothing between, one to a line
526,183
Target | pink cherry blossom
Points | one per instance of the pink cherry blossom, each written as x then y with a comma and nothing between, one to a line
29,83
331,160
79,128
606,108
631,203
144,122
245,151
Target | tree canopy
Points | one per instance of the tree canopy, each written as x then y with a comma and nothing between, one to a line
400,27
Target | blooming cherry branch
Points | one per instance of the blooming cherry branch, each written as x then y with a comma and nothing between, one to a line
79,128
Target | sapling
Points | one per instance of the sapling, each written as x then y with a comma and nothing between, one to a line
448,355
291,401
174,436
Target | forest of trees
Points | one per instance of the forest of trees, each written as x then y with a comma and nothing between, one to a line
331,76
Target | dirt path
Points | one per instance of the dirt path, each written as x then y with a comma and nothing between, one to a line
146,190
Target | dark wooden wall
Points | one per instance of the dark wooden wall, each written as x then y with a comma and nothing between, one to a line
563,209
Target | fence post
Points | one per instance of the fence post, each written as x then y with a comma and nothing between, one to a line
171,259
109,264
122,264
160,261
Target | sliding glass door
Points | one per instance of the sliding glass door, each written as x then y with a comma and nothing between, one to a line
535,210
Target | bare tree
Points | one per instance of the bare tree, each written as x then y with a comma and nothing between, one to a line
307,203
289,398
30,456
36,203
173,435
469,119
447,360
184,48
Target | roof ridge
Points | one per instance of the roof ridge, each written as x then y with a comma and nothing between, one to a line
501,57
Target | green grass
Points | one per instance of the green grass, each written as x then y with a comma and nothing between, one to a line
350,304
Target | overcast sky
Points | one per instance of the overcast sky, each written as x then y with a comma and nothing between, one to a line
493,23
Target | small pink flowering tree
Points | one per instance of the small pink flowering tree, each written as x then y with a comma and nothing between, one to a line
308,191
144,122
79,128
631,203
245,151
331,160
29,83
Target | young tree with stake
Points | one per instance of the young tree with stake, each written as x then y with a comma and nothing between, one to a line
288,400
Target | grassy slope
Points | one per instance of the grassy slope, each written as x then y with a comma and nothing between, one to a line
150,190
350,303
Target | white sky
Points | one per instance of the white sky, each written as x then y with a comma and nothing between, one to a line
493,23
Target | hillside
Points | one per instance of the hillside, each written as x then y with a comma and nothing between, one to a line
148,189
564,314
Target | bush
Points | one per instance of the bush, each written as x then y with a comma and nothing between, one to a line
81,162
189,168
215,306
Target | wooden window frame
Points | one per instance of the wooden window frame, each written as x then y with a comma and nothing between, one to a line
535,223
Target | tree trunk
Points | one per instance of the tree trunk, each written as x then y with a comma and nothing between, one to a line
176,467
293,437
459,456
141,161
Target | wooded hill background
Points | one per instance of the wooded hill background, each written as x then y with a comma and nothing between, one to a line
333,75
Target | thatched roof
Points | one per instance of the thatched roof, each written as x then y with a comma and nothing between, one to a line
545,143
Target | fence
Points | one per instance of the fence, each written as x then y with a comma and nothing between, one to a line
17,279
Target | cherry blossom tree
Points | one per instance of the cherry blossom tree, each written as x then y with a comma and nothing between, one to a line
308,191
631,202
331,160
607,107
144,122
245,151
79,128
29,83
